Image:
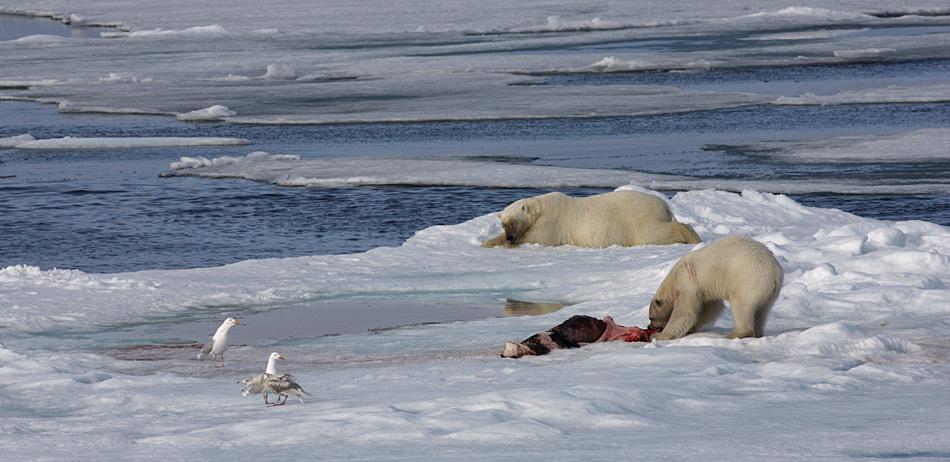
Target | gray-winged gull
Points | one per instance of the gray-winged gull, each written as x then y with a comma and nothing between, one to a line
258,383
270,381
219,341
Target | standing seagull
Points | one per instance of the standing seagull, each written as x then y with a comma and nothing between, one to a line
219,342
258,383
270,381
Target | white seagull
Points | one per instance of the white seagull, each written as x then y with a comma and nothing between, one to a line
219,342
270,381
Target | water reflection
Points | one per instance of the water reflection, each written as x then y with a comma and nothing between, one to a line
13,27
526,308
154,341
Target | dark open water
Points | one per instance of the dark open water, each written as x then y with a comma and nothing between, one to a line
109,211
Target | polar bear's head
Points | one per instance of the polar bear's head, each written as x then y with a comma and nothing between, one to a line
661,307
660,310
519,217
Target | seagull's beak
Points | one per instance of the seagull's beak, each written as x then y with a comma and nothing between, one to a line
237,322
281,357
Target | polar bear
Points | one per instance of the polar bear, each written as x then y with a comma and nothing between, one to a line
734,268
623,218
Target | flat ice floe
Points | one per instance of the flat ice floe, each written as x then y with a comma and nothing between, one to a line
67,106
933,93
505,102
12,141
426,64
69,142
927,145
41,39
858,335
286,170
123,77
864,53
213,30
806,35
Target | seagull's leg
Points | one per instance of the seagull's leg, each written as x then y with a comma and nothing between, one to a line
220,356
265,398
279,402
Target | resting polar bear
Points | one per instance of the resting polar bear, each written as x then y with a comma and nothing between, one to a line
616,218
734,268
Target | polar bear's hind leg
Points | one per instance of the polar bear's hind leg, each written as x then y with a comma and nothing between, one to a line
744,315
763,313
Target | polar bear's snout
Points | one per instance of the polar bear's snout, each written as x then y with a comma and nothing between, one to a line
511,234
659,314
515,227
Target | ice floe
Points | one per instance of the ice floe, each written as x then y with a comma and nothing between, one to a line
124,77
12,141
213,30
806,35
424,64
69,142
280,72
66,106
208,114
375,171
864,53
41,39
926,145
931,93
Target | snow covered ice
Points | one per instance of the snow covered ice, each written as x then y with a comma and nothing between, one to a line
208,114
854,364
858,336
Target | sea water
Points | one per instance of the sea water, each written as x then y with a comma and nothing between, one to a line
110,211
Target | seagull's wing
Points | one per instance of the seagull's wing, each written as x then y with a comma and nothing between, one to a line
285,384
275,383
254,385
207,348
296,389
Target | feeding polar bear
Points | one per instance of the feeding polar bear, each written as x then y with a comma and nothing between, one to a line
734,268
623,218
